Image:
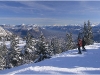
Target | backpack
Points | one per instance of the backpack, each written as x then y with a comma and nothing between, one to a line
80,42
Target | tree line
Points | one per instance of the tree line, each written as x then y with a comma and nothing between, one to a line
36,50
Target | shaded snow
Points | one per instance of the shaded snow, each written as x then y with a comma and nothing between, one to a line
68,62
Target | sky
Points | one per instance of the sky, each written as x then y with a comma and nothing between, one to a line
50,12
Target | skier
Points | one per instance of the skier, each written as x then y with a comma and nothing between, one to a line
79,45
83,44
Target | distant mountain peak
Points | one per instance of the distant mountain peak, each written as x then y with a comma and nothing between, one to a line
4,32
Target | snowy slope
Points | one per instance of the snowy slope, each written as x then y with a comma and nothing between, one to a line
68,62
4,32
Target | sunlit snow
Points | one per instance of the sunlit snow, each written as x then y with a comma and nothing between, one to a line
68,62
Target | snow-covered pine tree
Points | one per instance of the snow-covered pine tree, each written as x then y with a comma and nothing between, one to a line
2,58
42,48
69,41
4,63
30,49
56,46
53,47
27,48
6,56
85,30
90,33
14,41
61,45
87,33
14,50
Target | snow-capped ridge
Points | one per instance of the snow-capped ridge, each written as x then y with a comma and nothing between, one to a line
4,32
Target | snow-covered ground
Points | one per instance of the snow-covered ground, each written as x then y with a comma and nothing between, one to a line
68,62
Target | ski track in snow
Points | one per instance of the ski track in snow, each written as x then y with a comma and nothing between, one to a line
55,70
68,62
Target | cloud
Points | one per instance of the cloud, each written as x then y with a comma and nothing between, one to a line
20,20
90,7
26,7
36,5
38,21
48,12
16,9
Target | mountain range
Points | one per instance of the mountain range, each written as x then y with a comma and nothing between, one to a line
50,31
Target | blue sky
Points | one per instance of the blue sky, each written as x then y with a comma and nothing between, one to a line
49,12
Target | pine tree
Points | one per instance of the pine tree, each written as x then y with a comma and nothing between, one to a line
87,33
14,50
61,44
29,48
6,55
90,33
42,48
2,57
4,63
69,41
56,46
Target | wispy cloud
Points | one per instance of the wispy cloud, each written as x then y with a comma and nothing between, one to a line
88,6
35,6
39,21
51,12
20,20
11,8
29,7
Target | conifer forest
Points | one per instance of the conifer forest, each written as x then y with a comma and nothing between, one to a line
16,50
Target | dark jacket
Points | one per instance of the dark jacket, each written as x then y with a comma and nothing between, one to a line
83,42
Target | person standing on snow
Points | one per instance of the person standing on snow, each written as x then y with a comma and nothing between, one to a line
83,44
79,46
